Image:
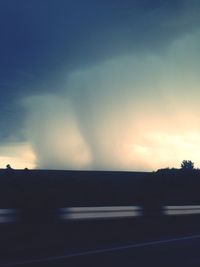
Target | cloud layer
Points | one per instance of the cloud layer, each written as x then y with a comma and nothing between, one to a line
132,112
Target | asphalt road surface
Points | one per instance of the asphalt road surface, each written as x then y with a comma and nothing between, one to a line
179,251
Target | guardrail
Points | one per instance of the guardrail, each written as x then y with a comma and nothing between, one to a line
181,210
91,213
77,213
85,213
8,215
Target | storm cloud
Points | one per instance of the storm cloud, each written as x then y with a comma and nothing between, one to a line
101,84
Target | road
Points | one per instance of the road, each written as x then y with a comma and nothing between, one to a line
180,251
138,241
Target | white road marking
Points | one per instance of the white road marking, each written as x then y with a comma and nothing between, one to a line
100,251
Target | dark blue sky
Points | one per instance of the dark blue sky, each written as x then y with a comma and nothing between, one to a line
42,42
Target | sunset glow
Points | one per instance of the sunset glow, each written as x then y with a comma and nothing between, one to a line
17,156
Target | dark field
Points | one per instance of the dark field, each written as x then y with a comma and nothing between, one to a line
69,188
40,188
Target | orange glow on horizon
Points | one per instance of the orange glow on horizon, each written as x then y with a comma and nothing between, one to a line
19,156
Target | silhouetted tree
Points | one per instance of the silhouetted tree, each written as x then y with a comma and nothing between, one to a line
187,165
8,167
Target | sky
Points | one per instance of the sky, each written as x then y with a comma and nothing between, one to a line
99,84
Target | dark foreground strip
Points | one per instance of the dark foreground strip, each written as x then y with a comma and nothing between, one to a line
100,251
